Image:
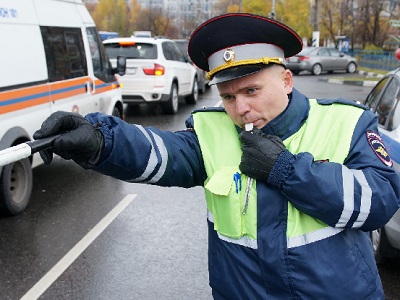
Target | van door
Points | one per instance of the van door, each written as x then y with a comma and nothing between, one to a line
100,71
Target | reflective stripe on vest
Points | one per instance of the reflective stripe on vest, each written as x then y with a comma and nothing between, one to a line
221,152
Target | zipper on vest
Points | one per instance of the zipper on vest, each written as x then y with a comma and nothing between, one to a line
247,195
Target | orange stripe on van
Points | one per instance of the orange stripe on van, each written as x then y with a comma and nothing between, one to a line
102,87
68,88
39,94
24,97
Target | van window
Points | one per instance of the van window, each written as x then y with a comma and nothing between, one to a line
65,53
101,65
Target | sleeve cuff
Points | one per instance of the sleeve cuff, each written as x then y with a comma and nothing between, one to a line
281,169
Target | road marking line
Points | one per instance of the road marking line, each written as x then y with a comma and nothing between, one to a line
47,280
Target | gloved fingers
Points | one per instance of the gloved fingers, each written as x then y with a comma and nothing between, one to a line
82,144
260,140
46,155
249,137
72,140
59,122
257,132
276,141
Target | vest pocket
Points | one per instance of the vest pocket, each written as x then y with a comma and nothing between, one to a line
224,203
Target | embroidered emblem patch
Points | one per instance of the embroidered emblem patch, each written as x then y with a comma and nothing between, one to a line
376,143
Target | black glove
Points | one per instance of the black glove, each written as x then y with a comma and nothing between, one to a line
80,140
260,152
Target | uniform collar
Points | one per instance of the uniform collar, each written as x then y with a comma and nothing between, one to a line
291,119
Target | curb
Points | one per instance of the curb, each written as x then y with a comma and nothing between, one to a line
365,73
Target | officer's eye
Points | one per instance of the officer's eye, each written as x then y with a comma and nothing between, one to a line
251,90
228,97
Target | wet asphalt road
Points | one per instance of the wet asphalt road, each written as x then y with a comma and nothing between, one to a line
153,247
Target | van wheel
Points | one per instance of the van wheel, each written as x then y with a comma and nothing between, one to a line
194,96
117,113
171,106
15,187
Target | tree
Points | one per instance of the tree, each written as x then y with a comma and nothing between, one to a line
363,20
112,16
135,11
155,20
296,15
290,12
334,18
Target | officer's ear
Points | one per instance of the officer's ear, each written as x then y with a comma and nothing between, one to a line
287,78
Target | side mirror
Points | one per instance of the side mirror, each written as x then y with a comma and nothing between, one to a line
121,66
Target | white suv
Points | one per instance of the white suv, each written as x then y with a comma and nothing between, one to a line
156,71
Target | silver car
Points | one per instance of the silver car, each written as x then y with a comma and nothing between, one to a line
384,101
319,59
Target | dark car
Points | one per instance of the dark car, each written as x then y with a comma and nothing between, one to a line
201,75
319,59
384,101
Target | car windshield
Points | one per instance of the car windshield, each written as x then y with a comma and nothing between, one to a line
135,51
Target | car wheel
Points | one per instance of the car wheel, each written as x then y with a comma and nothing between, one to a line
15,187
202,86
351,68
381,246
171,106
194,96
317,69
296,72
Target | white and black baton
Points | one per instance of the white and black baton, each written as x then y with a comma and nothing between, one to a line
24,150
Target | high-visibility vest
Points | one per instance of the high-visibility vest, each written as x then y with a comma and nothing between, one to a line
220,146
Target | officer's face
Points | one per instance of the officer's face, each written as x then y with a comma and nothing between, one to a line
257,98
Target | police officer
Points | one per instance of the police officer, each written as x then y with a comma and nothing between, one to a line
291,196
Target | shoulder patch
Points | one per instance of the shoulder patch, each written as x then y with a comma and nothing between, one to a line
377,145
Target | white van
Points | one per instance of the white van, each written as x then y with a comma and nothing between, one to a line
51,58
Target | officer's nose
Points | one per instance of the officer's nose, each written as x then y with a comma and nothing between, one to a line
242,105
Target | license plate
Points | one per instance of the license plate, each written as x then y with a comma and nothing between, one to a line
292,59
130,71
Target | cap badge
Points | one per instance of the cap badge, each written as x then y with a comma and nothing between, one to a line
229,55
